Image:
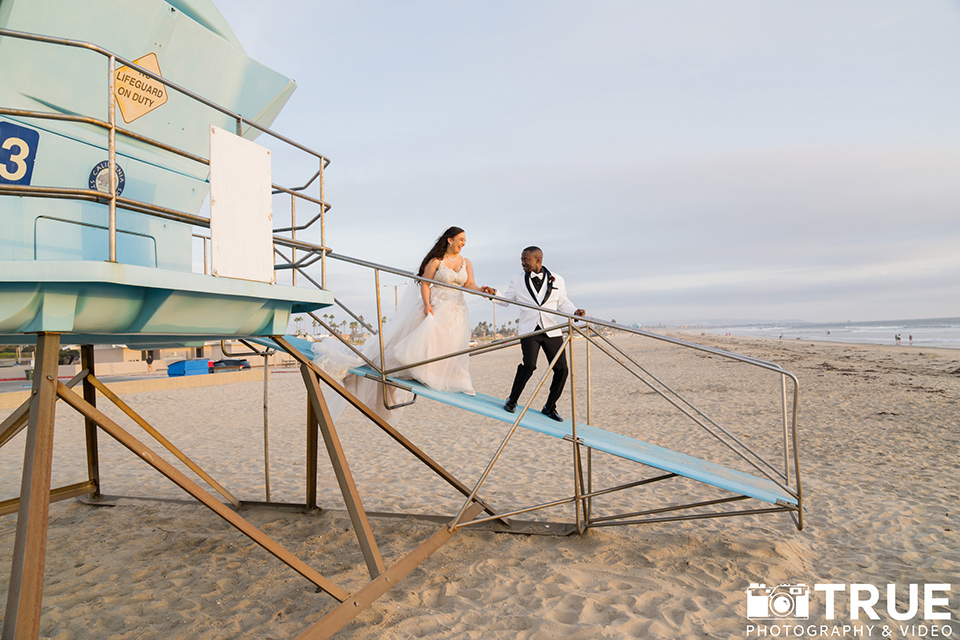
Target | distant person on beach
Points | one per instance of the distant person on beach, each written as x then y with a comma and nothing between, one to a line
897,338
537,285
430,321
911,339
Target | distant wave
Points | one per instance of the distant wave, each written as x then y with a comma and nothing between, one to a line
930,332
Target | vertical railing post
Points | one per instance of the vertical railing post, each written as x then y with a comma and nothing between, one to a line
786,436
589,501
293,234
383,366
323,233
577,469
112,156
796,452
266,424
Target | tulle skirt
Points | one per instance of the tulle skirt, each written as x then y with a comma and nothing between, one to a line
409,336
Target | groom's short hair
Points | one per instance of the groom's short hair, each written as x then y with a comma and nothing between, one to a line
533,249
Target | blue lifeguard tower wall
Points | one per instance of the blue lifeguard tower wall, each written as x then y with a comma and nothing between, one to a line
194,48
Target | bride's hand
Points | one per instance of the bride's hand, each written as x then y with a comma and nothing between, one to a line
429,310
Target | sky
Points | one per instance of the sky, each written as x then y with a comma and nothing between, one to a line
682,161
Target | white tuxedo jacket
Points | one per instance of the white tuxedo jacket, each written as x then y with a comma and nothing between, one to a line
552,297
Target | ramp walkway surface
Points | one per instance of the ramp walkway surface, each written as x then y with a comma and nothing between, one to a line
600,439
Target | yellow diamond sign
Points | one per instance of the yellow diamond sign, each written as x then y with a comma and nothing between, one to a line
138,95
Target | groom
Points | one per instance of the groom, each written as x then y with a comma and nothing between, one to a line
536,285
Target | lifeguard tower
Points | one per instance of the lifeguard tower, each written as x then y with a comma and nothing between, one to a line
113,132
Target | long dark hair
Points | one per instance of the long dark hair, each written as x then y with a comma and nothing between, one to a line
439,247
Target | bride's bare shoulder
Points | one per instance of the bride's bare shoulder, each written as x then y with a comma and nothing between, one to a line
431,267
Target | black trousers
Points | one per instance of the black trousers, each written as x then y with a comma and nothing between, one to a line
530,347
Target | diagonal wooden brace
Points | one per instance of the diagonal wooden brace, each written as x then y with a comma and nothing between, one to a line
352,606
191,487
16,421
146,426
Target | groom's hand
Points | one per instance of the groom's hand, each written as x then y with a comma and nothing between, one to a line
580,312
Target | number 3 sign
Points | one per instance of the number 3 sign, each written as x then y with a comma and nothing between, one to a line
18,151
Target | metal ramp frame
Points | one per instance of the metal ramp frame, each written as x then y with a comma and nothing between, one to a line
598,439
591,438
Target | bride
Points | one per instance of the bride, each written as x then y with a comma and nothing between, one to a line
430,321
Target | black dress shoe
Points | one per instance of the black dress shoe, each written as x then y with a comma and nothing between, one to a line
552,414
509,406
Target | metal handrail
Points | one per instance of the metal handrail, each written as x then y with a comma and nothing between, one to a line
594,321
728,439
23,35
111,198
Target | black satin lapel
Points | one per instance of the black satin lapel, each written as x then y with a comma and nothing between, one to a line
526,280
546,274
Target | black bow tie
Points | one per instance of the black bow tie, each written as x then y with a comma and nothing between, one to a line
537,281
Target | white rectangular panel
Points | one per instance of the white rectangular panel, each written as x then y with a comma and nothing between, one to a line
241,213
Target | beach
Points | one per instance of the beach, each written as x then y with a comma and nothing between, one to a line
879,438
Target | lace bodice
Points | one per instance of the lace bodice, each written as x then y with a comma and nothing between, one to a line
448,275
441,295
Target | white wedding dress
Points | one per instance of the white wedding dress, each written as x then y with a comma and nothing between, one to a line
410,336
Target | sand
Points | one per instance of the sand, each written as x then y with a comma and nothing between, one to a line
879,442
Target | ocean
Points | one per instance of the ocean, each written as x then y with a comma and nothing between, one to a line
929,332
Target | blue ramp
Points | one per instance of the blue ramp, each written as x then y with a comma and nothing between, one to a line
595,438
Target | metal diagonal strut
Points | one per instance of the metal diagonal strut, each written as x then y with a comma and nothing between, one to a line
770,473
459,520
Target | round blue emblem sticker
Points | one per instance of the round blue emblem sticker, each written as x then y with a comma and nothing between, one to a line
100,178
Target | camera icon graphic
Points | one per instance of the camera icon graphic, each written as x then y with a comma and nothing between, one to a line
782,602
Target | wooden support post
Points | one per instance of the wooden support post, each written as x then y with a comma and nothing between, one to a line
313,446
22,619
351,496
89,427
